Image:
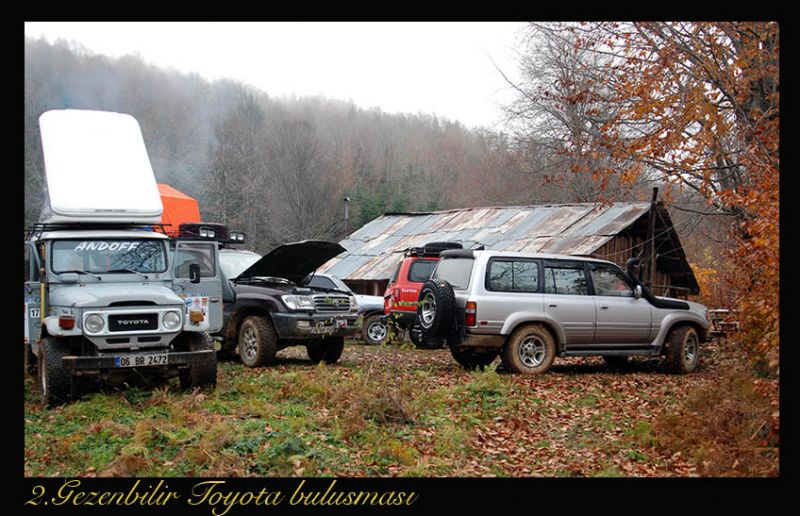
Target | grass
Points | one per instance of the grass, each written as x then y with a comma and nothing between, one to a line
381,411
740,437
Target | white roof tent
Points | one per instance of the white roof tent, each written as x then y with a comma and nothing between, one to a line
97,169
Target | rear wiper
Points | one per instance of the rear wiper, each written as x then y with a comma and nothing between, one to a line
130,270
82,272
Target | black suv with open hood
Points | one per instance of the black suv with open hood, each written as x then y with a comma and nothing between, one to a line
275,308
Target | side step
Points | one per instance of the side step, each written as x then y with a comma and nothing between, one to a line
613,352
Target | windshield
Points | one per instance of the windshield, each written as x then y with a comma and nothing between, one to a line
455,271
236,262
109,256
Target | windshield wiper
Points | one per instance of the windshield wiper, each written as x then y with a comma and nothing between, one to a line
82,272
129,270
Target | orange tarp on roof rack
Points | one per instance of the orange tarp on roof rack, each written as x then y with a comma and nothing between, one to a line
178,208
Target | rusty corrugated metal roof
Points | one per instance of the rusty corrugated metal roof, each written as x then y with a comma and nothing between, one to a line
377,247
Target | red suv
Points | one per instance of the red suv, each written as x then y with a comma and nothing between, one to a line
400,298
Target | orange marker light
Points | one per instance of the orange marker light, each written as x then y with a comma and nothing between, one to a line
66,322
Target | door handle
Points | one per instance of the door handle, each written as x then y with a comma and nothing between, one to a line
552,306
214,300
603,308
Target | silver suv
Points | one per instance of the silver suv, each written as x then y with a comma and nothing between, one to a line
530,308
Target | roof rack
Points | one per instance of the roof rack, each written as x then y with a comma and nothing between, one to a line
38,228
432,248
211,231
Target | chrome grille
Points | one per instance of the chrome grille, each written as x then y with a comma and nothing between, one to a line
328,303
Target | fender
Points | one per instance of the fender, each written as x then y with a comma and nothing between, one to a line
246,304
51,324
677,318
518,318
257,300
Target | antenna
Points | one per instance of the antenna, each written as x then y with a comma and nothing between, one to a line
346,216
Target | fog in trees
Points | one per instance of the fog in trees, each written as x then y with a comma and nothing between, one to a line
276,168
279,168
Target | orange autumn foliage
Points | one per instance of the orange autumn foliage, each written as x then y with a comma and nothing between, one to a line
698,105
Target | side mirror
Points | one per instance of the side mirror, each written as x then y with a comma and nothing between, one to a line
228,293
637,291
69,277
194,273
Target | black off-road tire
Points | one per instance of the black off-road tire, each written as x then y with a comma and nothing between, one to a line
30,361
200,374
372,328
531,349
471,360
417,335
616,362
328,350
438,320
258,341
55,381
683,350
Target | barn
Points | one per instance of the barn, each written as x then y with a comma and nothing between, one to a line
615,232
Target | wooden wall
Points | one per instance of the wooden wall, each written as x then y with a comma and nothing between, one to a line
624,246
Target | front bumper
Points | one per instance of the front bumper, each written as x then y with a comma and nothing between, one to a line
175,358
305,326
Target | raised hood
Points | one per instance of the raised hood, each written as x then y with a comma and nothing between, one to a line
294,261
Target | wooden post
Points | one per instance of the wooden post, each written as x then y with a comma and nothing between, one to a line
651,269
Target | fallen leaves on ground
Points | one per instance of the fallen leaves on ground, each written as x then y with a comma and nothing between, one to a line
381,411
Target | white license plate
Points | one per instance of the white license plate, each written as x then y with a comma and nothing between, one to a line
143,360
337,323
317,330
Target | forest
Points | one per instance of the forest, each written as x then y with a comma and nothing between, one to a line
279,168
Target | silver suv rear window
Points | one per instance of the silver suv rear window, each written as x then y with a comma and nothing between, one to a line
455,271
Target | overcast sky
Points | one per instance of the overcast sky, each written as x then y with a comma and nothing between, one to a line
440,68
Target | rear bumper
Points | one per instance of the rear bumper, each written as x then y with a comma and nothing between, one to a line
474,340
401,318
304,326
174,359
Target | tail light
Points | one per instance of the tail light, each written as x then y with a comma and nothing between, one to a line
471,315
66,322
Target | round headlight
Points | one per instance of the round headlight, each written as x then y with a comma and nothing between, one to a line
171,320
93,323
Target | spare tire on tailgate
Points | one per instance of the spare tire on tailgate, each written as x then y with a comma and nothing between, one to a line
436,308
